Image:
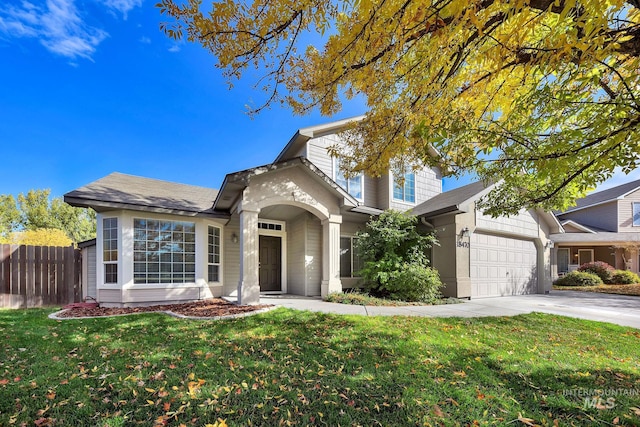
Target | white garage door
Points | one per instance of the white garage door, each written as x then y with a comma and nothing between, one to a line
502,266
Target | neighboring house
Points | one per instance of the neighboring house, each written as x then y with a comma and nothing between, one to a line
480,256
603,226
286,227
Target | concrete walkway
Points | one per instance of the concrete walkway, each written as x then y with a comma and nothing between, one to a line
618,309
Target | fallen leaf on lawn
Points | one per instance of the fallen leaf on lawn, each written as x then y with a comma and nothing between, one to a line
51,395
437,411
527,421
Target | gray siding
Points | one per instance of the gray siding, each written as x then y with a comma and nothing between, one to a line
428,184
625,213
231,257
296,255
313,256
91,272
524,224
384,191
318,155
603,216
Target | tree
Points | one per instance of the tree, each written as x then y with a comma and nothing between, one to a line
9,215
34,211
542,94
38,237
394,255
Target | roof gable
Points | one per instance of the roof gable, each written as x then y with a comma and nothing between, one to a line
235,183
605,196
453,200
121,191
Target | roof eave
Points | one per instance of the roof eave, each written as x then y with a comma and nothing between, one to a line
102,205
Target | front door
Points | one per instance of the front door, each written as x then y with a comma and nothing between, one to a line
270,264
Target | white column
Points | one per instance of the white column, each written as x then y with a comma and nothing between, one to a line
249,285
331,255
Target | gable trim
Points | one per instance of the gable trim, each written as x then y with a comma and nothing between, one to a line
574,224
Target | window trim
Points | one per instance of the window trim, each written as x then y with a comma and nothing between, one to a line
404,189
635,205
219,263
111,262
152,281
336,169
352,253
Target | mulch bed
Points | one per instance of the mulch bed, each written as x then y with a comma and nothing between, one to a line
207,308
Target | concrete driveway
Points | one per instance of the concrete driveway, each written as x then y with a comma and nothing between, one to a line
618,309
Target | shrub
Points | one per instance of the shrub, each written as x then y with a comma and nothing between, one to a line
601,269
624,277
395,263
414,282
579,278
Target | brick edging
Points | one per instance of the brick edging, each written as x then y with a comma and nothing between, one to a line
55,316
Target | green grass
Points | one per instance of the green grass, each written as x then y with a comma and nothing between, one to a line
362,298
288,367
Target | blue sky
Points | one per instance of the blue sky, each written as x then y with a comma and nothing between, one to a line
90,87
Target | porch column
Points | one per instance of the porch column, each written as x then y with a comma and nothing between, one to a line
331,255
249,285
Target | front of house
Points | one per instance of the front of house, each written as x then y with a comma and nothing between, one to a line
603,226
289,227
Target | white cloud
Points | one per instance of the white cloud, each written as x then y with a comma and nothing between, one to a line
174,49
122,6
58,25
145,40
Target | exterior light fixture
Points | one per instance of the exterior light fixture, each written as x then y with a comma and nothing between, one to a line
464,232
234,238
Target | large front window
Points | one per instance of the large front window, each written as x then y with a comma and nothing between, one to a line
350,264
353,185
636,214
110,249
405,191
164,251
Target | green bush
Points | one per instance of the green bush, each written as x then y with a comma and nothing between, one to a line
601,269
624,277
395,263
414,282
579,278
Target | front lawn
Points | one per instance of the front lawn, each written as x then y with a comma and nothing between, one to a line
633,290
288,367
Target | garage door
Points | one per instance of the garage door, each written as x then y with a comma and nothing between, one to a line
502,266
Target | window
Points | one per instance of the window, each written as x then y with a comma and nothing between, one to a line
213,254
636,214
353,185
110,249
405,192
164,251
350,263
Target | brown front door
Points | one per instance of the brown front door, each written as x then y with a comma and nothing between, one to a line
270,264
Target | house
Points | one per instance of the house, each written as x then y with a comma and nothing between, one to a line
289,227
481,256
603,226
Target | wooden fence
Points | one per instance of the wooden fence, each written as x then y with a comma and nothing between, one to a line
37,276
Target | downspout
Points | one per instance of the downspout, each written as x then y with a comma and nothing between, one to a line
427,223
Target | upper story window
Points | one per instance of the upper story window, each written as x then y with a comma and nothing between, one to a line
405,192
636,214
110,249
353,185
164,251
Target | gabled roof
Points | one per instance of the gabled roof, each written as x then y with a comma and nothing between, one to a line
578,226
453,201
605,196
301,137
121,191
235,183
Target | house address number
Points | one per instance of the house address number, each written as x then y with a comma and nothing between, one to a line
464,245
